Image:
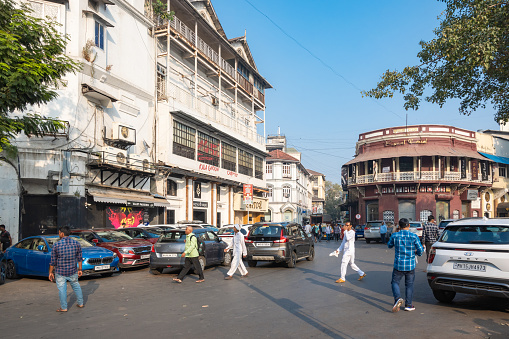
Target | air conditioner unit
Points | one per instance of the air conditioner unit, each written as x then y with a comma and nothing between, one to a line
215,101
113,156
140,163
123,133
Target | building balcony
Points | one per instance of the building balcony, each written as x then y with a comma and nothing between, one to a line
204,50
423,176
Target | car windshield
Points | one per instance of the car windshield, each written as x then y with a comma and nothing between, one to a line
154,232
225,231
374,224
469,234
415,224
110,236
266,230
174,236
51,241
444,223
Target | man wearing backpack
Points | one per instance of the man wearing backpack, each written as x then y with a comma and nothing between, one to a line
191,254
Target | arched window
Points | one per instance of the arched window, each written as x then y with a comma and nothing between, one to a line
287,191
288,215
171,188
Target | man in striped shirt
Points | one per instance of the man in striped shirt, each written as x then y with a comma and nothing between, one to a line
429,234
406,245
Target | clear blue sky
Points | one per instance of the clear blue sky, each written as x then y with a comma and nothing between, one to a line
321,113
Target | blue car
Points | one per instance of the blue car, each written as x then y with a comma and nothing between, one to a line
32,255
359,231
3,268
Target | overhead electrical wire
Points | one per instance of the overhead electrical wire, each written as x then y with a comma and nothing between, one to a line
326,65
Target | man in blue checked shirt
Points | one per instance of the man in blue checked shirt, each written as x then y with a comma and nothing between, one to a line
65,256
406,245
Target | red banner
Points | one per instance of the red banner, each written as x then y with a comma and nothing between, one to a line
248,194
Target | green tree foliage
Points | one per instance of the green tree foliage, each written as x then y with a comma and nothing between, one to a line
468,59
333,195
32,62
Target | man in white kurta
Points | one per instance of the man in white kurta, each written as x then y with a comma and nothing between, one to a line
348,248
239,250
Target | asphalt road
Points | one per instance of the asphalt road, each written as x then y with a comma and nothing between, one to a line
274,301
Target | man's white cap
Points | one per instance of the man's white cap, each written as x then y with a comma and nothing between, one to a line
237,226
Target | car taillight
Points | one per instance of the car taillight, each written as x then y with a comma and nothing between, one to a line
419,228
153,250
431,255
366,228
282,238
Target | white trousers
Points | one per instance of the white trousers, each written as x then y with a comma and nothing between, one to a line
237,263
348,258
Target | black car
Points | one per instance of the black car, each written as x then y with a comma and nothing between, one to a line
167,250
279,242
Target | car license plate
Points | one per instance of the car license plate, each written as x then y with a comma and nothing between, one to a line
169,255
469,267
102,267
145,256
262,244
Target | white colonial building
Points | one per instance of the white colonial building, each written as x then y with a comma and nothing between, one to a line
164,122
289,189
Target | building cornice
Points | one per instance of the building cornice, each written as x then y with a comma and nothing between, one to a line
134,12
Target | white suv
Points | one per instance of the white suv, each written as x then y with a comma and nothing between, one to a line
471,256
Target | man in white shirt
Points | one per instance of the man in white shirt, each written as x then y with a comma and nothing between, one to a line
239,250
348,248
307,228
328,231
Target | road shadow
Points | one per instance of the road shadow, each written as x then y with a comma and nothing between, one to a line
298,311
357,295
88,289
493,329
374,262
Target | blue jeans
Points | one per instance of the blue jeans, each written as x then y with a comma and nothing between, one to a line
61,281
409,285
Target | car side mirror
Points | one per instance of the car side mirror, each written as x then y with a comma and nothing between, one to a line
40,248
95,241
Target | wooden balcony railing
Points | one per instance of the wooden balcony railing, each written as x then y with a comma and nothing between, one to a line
244,83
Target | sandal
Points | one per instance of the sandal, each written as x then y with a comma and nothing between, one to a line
177,280
61,310
200,281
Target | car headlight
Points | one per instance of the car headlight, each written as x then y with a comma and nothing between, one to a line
126,250
115,255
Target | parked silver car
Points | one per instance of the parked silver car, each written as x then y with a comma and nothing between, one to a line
372,231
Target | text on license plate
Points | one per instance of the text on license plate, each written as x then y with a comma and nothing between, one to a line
102,267
260,244
169,255
469,267
145,256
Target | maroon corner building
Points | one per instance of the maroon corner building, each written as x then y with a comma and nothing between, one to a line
414,171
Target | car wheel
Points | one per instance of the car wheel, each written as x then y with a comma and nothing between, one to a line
11,270
227,259
368,241
252,263
109,274
293,260
155,271
3,269
444,296
311,254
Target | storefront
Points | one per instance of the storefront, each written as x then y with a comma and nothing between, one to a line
249,214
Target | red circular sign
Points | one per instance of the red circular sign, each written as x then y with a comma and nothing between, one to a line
357,216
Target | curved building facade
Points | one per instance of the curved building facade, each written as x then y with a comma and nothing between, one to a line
414,171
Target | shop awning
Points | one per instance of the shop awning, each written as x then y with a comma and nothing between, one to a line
127,199
416,151
495,158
